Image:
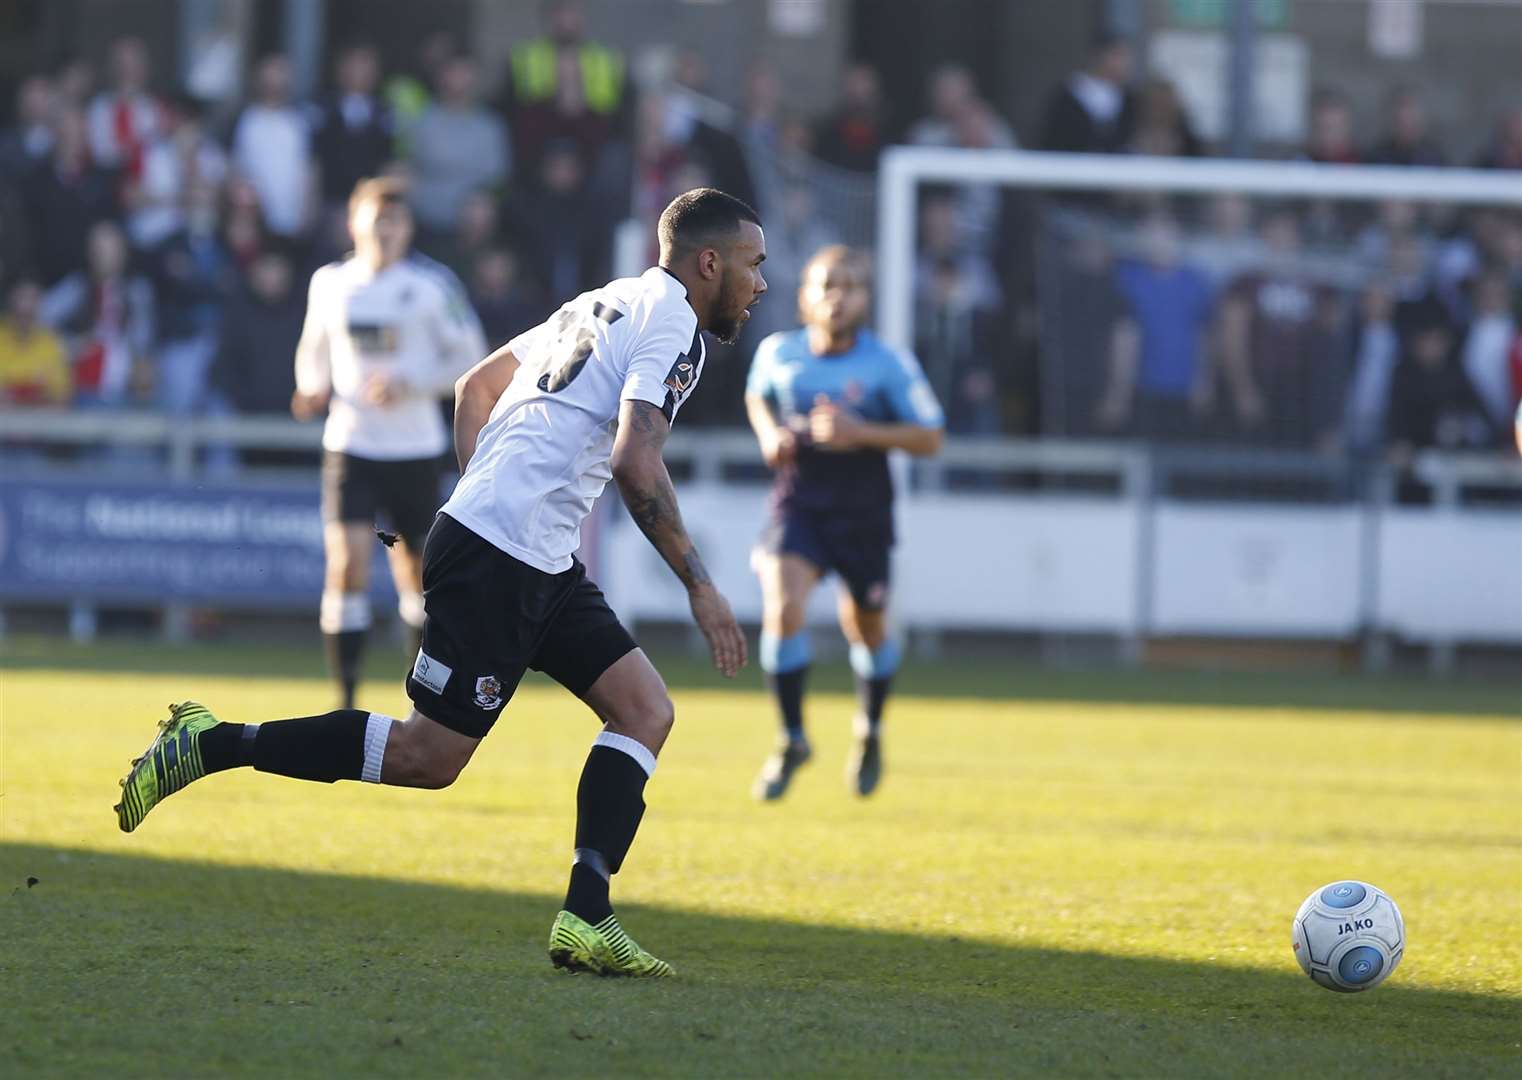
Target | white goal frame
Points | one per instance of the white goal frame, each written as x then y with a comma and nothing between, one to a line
903,169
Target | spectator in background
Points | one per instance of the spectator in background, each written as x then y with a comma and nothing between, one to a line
1229,245
354,130
692,121
193,274
458,147
1505,148
853,135
1279,344
1487,348
955,344
941,237
64,199
1331,138
74,82
34,370
106,314
1085,321
408,94
477,231
1093,112
562,237
1432,402
1376,350
127,119
186,158
954,102
28,143
243,231
1406,140
254,370
563,86
795,230
1158,384
272,148
1162,125
504,303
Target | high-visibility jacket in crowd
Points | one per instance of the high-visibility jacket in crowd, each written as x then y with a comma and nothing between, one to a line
602,74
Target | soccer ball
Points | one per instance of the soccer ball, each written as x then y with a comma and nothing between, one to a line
1348,936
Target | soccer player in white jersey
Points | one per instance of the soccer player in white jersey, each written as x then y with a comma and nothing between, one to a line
387,334
541,425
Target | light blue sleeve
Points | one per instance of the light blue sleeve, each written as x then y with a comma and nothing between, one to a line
909,392
762,366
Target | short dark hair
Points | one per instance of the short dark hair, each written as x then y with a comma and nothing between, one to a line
700,216
386,190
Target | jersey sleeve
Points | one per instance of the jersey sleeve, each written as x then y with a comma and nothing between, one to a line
762,366
314,372
910,395
456,334
663,363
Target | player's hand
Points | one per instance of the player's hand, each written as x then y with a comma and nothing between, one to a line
831,427
308,406
711,612
780,449
383,389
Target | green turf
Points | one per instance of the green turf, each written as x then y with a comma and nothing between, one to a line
1094,878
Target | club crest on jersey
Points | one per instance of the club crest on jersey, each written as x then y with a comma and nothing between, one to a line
488,692
682,375
855,392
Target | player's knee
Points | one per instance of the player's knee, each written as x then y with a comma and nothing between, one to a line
791,614
649,722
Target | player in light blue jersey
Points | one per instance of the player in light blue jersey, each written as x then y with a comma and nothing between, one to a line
827,402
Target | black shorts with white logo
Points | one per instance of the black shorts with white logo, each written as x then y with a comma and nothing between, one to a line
405,493
491,618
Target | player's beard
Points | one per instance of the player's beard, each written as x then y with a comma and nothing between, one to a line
728,331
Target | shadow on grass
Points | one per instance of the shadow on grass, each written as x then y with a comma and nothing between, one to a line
951,677
149,966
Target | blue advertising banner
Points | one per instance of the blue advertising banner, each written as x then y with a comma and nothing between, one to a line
247,546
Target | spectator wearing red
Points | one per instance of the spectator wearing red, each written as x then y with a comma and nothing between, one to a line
854,134
186,158
1094,111
106,314
34,368
1407,140
125,120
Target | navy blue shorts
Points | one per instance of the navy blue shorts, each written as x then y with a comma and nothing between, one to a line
836,543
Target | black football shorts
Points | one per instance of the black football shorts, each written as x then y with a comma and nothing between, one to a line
403,493
491,617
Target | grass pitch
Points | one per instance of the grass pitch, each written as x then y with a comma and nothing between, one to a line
1087,875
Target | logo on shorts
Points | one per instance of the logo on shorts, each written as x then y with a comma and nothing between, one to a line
877,594
488,692
430,672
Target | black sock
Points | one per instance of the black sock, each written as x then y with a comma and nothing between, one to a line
871,696
587,895
787,687
345,650
324,748
227,746
609,804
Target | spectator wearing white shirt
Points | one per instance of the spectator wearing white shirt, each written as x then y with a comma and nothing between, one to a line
272,148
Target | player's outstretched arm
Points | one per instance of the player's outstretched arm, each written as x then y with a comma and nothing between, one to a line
640,472
475,396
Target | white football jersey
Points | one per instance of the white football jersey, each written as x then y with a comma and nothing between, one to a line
411,320
543,457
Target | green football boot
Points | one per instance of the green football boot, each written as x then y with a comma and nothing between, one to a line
604,949
172,760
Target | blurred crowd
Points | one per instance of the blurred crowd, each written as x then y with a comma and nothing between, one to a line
154,249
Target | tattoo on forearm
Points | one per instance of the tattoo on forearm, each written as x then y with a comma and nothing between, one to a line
696,572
